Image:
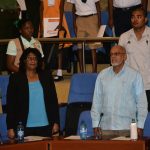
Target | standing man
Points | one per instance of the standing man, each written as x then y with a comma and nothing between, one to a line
86,19
137,44
120,96
120,13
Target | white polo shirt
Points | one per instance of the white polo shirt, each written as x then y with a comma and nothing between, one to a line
83,9
138,53
125,3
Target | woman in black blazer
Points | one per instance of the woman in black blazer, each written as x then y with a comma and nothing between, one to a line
31,98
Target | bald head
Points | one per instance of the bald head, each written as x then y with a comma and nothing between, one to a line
119,48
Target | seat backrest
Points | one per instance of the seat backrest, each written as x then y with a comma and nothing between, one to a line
72,116
146,132
3,127
82,87
69,19
62,117
86,117
3,87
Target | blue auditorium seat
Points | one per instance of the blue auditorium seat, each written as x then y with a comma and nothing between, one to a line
82,87
3,87
79,99
148,16
146,132
3,127
86,117
62,117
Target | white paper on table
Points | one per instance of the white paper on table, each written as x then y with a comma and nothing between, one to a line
123,138
35,138
51,2
50,25
72,137
22,4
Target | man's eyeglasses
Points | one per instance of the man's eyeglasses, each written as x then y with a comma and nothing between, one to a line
116,54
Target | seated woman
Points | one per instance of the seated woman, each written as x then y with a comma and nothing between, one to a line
31,98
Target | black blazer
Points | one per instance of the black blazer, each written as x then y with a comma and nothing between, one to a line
18,99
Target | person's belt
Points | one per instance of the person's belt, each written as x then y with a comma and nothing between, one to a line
87,15
127,8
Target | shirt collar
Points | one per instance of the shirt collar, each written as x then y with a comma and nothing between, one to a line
25,40
145,33
120,72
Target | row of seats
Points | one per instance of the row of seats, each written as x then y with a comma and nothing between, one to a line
81,94
81,91
78,107
3,89
86,116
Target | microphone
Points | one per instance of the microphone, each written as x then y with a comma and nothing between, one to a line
99,135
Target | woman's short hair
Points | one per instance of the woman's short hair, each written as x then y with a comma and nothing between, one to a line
23,58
